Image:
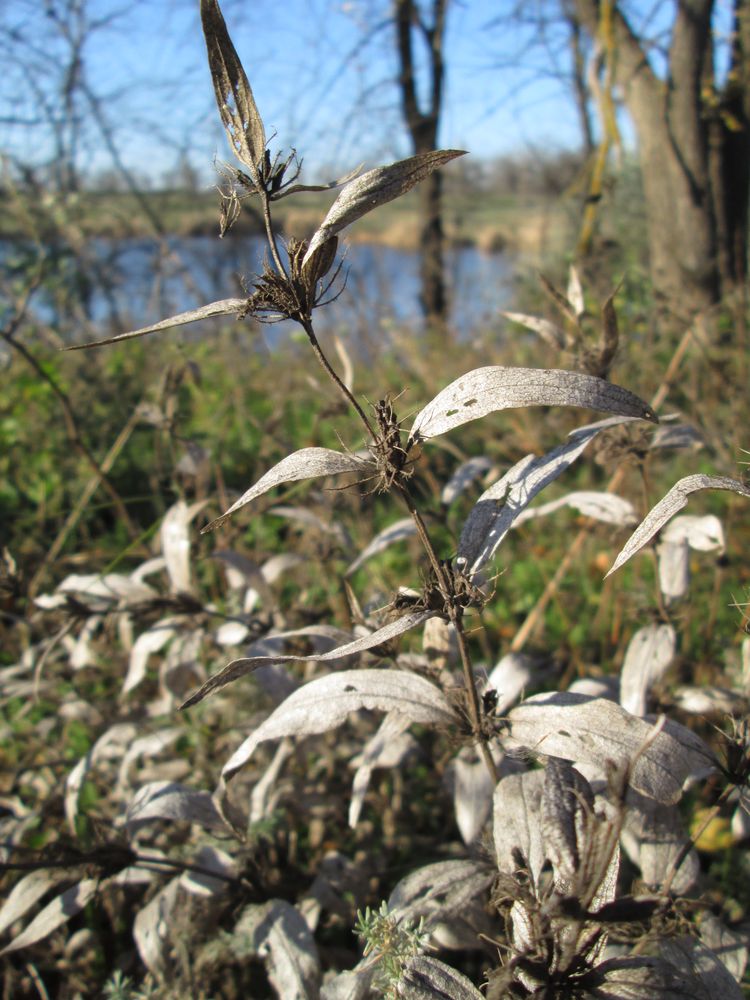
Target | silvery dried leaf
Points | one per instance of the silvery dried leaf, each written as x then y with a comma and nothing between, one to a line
168,800
641,978
308,463
676,436
245,665
224,307
438,889
649,654
693,959
27,892
212,875
472,793
487,390
146,746
509,678
426,978
234,98
605,507
353,984
376,187
517,836
549,332
279,935
396,532
329,186
594,730
325,703
498,507
100,593
55,914
231,634
654,837
175,543
709,701
729,945
116,737
152,925
463,477
669,504
574,292
673,559
311,520
262,796
80,651
148,642
705,534
387,748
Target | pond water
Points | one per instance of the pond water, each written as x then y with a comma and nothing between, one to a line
129,283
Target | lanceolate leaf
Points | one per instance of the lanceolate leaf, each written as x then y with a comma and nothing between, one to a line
605,507
224,307
648,655
669,504
234,97
278,932
238,668
593,730
396,532
427,978
325,703
304,464
547,330
376,187
55,914
498,507
486,390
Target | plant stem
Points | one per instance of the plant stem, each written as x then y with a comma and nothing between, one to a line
306,324
270,235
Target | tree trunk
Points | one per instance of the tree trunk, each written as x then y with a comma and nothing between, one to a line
423,127
689,170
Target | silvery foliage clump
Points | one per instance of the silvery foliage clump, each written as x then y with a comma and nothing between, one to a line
555,793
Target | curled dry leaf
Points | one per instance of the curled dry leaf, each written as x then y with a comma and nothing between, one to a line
487,390
234,98
376,187
325,703
594,730
307,463
498,507
669,504
224,307
278,933
238,668
647,658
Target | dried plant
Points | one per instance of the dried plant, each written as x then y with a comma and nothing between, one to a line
551,791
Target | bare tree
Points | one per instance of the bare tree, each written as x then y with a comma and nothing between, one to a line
692,130
427,20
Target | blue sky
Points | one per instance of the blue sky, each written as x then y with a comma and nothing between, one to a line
317,83
321,71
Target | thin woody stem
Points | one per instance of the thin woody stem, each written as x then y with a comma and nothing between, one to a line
306,324
270,235
456,617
